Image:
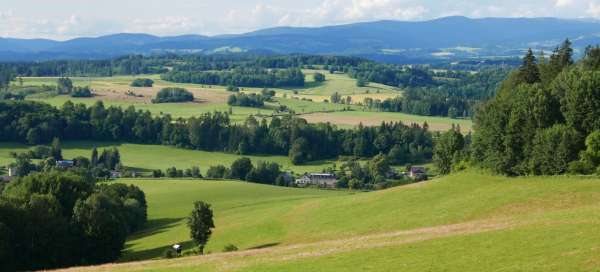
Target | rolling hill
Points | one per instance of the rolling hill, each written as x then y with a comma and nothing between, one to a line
464,222
399,41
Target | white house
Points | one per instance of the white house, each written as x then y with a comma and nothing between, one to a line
317,179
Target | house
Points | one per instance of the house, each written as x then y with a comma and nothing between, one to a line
65,164
417,173
12,171
115,174
317,179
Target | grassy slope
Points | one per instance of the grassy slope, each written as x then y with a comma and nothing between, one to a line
465,222
150,157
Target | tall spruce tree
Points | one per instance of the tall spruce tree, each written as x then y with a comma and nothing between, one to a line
529,71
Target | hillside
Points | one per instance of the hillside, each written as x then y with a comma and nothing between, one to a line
468,222
398,41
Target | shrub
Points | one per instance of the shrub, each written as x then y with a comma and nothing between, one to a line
230,248
173,95
319,77
81,92
169,253
142,82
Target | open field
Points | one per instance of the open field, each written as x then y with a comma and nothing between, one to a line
367,118
112,91
150,157
464,222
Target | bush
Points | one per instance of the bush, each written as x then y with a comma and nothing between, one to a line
319,77
82,92
169,253
246,100
173,95
218,171
142,82
230,248
233,89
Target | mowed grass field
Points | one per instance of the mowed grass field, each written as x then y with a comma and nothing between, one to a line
112,91
469,221
150,157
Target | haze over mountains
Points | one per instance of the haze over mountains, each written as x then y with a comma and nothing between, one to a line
440,39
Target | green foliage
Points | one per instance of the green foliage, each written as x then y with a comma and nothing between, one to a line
82,92
318,77
142,82
246,100
538,126
553,149
240,168
240,77
448,150
529,72
67,220
218,172
173,95
64,85
230,248
201,224
100,220
361,82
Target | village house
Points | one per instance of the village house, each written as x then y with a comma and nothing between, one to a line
65,164
317,179
12,171
417,173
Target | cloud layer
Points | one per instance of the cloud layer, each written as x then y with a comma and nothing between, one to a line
71,18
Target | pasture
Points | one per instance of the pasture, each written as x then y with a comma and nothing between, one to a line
469,221
149,157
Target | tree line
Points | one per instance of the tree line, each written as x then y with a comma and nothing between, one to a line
35,123
242,77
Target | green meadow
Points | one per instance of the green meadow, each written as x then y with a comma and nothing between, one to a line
470,221
150,157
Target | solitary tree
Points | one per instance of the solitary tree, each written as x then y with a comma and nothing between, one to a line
200,223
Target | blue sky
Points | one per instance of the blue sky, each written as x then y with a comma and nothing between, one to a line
64,19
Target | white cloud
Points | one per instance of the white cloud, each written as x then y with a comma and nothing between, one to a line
593,9
563,3
167,25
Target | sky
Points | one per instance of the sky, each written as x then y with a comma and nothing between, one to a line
65,19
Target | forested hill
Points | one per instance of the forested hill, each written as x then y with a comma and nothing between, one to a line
444,38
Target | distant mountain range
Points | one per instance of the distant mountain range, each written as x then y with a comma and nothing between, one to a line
446,38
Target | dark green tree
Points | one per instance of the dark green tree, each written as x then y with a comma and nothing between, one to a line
529,72
201,224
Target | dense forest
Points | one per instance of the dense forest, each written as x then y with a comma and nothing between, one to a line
543,121
457,95
56,219
35,123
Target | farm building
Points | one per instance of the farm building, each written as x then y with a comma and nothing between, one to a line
65,164
417,173
317,179
12,171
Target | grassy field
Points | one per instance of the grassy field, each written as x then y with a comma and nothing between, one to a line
353,118
469,221
150,157
112,91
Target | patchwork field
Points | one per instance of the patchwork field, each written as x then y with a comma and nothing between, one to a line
469,221
306,101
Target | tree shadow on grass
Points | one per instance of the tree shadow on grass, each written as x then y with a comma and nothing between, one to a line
152,227
265,246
